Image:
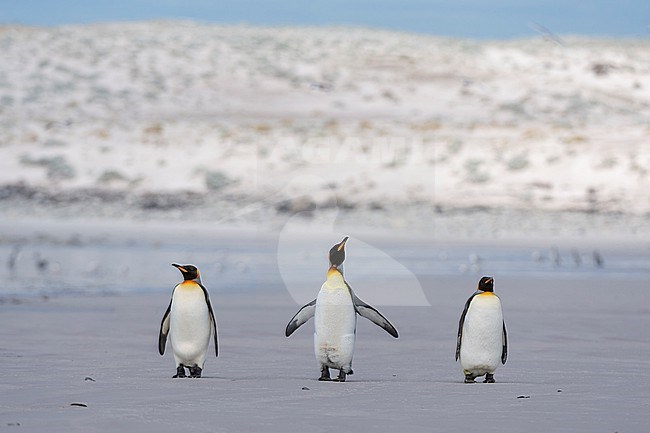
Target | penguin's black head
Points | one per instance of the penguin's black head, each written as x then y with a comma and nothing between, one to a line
337,253
190,272
486,284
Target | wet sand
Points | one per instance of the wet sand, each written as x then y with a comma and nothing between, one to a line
578,355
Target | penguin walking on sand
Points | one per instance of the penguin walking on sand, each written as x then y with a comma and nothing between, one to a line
482,339
189,321
335,315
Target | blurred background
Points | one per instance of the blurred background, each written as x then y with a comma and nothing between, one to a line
138,133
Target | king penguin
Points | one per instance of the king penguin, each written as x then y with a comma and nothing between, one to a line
189,321
335,315
482,339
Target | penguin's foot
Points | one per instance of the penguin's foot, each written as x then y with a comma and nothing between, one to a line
180,372
324,374
489,378
195,371
469,378
341,377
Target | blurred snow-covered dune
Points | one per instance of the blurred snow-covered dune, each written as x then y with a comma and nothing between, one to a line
162,115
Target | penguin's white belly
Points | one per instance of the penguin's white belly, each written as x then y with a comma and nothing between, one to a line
481,344
335,325
189,326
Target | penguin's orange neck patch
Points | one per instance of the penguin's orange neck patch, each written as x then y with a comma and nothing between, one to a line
332,271
486,294
189,284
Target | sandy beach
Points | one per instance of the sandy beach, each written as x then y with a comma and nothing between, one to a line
578,360
578,356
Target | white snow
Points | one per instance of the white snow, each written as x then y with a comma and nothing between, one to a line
368,116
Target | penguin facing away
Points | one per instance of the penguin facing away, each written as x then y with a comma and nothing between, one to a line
189,321
482,338
335,319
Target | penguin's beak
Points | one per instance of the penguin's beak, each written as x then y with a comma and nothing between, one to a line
342,244
180,268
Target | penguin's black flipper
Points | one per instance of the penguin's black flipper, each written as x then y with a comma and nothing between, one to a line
370,313
212,320
302,316
461,322
214,329
164,330
504,351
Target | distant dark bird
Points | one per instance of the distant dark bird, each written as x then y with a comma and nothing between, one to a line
555,256
13,257
41,262
575,255
598,259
